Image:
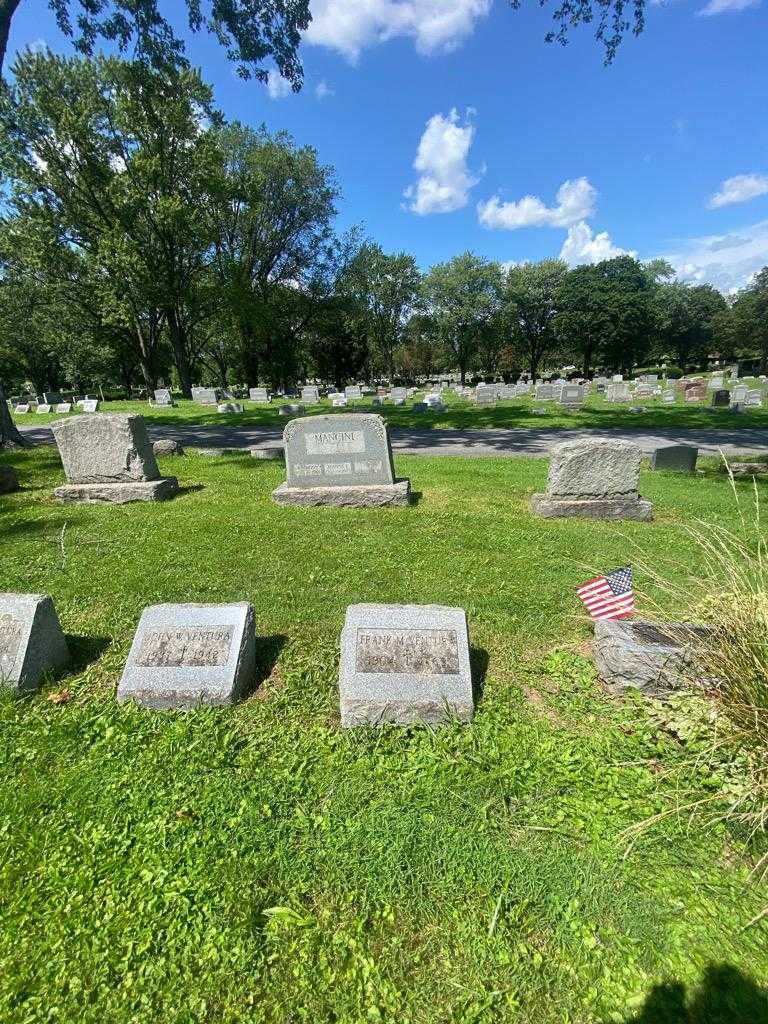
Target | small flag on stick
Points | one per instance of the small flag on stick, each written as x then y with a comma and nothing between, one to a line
609,597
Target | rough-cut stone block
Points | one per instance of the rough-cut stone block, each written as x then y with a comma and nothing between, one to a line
31,640
268,451
108,448
404,664
594,469
184,655
9,481
679,457
118,493
653,658
592,508
165,446
746,468
348,496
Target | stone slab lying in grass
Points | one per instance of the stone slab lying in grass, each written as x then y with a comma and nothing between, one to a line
117,493
363,496
31,640
268,451
404,664
746,468
655,658
184,655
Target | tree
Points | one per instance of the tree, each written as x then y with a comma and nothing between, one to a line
464,298
750,317
531,296
611,17
581,322
628,314
250,30
686,320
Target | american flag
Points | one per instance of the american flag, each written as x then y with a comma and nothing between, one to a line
609,597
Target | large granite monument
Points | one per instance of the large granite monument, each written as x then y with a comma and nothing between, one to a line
593,479
109,458
340,459
188,654
404,664
31,640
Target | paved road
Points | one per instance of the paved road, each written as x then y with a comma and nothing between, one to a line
503,442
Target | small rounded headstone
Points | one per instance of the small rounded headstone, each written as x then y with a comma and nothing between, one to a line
166,446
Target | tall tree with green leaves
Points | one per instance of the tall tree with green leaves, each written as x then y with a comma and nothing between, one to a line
251,31
750,317
686,319
531,296
464,298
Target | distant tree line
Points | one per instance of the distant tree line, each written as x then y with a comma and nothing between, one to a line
145,238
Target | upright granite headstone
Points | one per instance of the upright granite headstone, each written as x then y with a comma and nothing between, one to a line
163,397
593,479
340,459
353,392
31,640
310,394
63,407
51,398
205,396
43,408
404,664
22,409
109,458
90,405
259,395
188,654
680,457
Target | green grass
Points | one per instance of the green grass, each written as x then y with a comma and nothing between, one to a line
257,864
461,414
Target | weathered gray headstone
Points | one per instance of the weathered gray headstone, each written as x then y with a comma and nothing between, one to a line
353,392
653,658
404,664
43,408
51,398
165,446
163,396
230,407
680,457
31,640
109,458
205,396
593,479
188,654
340,459
292,409
310,394
21,409
9,481
90,405
260,395
746,468
63,407
271,452
485,397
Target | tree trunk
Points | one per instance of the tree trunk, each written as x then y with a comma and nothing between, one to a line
7,11
180,355
9,433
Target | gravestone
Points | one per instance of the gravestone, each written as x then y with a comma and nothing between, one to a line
572,394
404,664
9,481
668,398
399,394
260,395
310,395
63,407
43,408
31,640
291,410
485,397
679,457
165,446
109,458
593,479
695,393
341,459
90,405
164,398
653,658
739,393
721,399
270,452
618,391
21,409
754,398
353,392
51,398
545,393
184,655
229,407
205,396
746,468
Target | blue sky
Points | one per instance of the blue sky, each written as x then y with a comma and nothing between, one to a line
452,125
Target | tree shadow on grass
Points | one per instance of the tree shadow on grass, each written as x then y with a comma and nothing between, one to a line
83,651
268,650
478,661
189,489
723,996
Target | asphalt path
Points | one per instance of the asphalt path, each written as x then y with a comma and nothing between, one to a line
500,442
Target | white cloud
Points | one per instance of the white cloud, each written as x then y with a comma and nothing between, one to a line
583,246
322,90
725,261
441,160
739,189
278,87
436,26
721,6
575,202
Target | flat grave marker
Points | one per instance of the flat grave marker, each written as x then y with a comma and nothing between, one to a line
31,640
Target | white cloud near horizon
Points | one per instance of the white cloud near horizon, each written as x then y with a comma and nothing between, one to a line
323,90
278,87
436,26
445,180
725,6
576,201
739,189
582,245
727,261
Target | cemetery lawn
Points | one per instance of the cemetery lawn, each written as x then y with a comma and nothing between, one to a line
460,414
256,864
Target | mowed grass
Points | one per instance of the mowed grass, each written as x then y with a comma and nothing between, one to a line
257,864
462,414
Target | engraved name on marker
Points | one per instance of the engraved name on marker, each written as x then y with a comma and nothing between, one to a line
10,637
335,442
413,651
185,647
